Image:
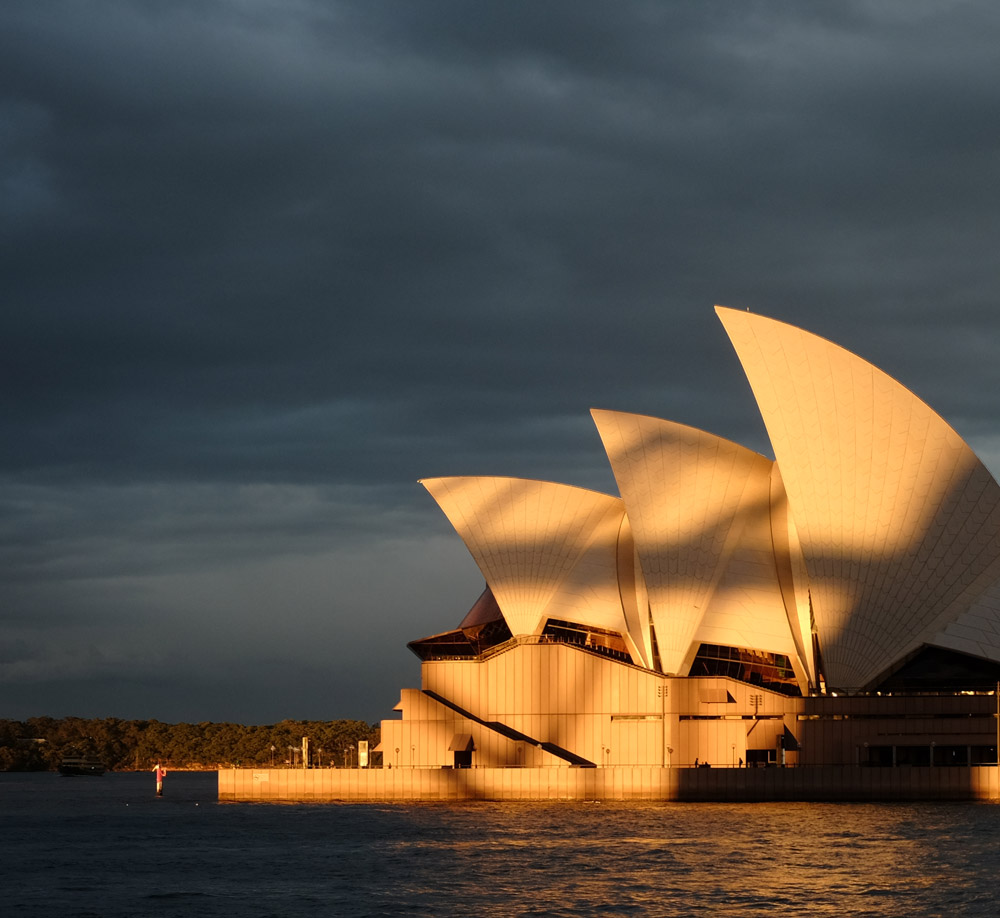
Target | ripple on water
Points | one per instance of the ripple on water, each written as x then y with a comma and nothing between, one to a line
109,849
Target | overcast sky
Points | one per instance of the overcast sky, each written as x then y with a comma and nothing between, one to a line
266,263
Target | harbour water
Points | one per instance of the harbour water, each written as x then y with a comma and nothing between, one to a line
108,847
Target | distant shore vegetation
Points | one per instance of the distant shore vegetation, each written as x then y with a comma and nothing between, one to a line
41,743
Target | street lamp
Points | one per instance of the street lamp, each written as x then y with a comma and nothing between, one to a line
272,755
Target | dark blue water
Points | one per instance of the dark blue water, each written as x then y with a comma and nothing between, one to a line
108,847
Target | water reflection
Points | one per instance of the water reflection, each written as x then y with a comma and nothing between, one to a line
109,847
801,859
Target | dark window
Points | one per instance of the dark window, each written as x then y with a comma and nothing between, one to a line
913,755
934,669
448,646
476,635
597,640
757,667
984,755
879,756
950,755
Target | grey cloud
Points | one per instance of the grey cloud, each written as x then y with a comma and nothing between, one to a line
264,265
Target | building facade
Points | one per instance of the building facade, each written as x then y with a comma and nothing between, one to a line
838,605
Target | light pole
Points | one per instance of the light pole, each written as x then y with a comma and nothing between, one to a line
272,755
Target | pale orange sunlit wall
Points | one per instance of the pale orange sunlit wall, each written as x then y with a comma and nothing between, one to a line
560,694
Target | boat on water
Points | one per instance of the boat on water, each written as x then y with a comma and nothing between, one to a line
77,765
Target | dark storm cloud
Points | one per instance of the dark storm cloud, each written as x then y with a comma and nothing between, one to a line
265,264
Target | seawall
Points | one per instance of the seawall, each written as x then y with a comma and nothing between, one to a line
732,785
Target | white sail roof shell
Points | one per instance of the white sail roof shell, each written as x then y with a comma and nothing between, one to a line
546,550
699,508
899,521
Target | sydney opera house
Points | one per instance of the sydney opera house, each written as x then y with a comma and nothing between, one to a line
839,604
829,618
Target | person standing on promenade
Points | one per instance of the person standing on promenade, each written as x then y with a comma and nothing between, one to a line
160,773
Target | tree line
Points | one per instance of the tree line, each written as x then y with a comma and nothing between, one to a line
41,743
